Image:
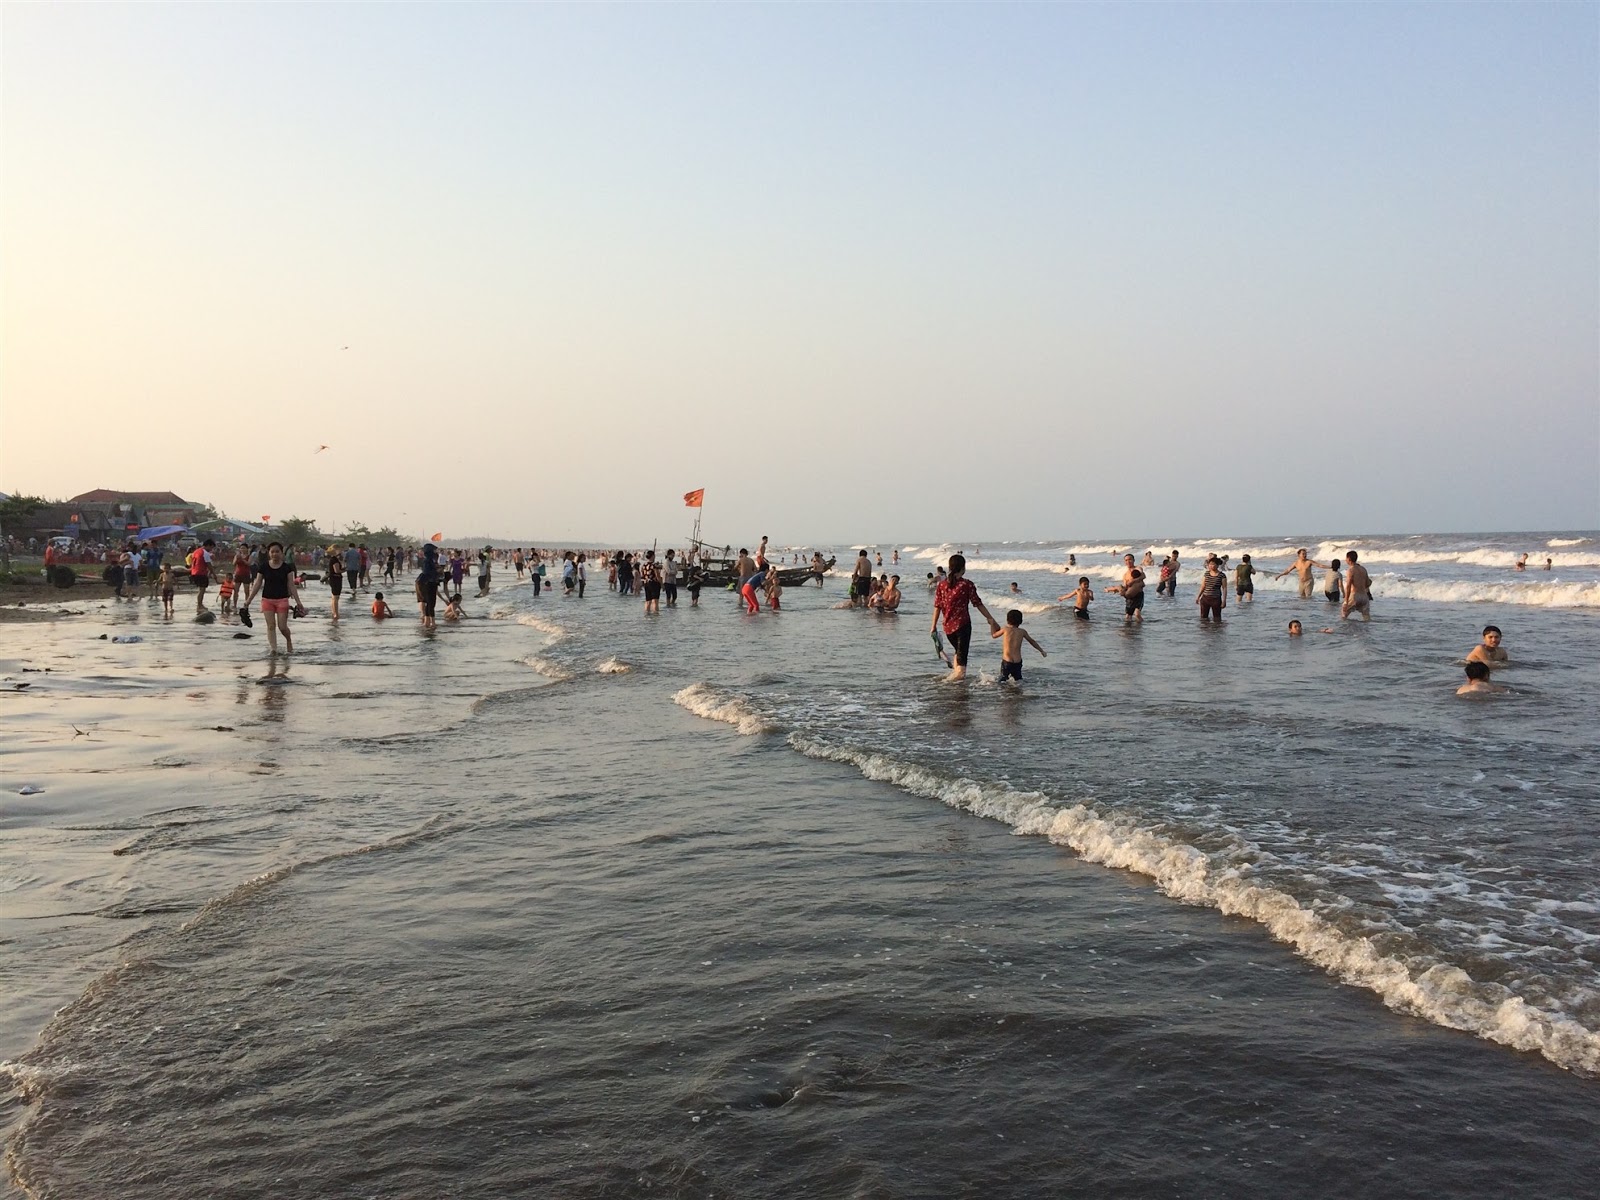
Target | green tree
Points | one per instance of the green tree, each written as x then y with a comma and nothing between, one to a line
11,509
298,531
20,506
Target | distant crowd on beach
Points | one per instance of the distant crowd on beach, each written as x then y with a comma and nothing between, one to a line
276,574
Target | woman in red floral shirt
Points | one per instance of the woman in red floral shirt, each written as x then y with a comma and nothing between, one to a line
951,597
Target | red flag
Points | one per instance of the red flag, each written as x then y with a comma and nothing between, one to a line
694,499
438,537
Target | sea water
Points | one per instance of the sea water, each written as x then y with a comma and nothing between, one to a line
570,900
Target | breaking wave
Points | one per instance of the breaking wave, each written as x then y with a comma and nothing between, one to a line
704,700
1437,991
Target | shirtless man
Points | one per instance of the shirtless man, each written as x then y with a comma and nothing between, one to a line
889,598
1305,566
1357,589
1131,589
1490,652
1477,681
861,581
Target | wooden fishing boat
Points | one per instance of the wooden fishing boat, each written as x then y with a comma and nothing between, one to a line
718,571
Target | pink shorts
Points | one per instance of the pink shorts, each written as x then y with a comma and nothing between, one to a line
275,606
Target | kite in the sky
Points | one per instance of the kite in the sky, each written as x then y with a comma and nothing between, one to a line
319,450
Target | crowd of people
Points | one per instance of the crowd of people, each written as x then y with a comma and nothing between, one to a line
275,574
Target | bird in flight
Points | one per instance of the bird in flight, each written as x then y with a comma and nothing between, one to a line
318,450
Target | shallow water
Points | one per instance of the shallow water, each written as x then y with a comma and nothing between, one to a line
488,912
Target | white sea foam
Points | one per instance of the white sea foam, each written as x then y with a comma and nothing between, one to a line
614,666
1566,541
1014,565
532,621
1440,992
1540,593
710,702
1004,600
550,670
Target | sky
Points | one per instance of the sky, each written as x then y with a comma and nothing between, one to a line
865,273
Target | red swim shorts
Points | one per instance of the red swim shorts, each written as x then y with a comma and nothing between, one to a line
275,606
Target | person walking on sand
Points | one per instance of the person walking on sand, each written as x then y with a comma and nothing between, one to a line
1304,567
1357,589
1131,589
952,597
276,583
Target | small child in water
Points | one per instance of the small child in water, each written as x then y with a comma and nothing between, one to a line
1081,599
166,589
1011,636
453,610
225,592
380,607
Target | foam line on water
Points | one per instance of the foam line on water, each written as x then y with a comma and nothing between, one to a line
550,670
714,704
1550,593
1438,991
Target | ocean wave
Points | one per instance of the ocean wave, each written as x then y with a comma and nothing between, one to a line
614,666
1541,594
714,704
550,670
533,621
999,603
1018,565
1436,991
1567,541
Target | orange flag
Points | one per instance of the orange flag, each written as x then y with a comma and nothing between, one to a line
438,537
694,499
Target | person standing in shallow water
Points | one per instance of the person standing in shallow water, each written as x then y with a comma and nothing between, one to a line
1213,594
669,579
277,585
1131,589
650,577
951,597
428,586
1357,590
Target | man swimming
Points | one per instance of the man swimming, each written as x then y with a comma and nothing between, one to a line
1490,652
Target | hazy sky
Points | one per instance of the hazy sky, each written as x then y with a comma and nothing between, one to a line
863,272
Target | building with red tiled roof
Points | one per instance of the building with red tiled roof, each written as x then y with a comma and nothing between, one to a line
143,499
